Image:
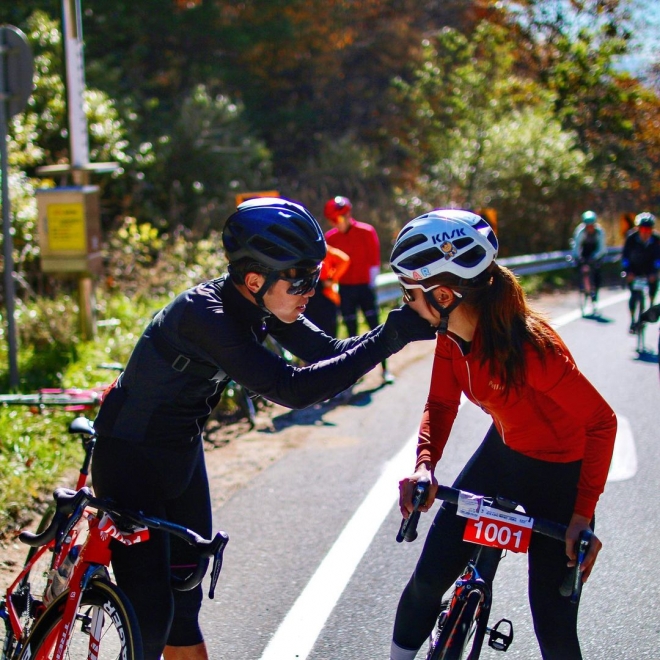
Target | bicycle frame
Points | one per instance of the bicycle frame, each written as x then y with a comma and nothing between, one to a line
496,526
16,592
638,294
80,515
94,559
587,284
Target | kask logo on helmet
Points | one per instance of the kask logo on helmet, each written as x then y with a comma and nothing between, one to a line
447,236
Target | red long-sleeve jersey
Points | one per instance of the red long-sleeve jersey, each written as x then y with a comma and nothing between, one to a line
361,244
557,415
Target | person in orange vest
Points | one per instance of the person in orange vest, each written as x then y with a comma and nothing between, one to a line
357,286
323,308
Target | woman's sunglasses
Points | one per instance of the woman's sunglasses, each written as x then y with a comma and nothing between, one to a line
406,287
302,282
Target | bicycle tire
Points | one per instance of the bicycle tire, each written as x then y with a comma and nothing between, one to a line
119,637
7,638
638,301
457,629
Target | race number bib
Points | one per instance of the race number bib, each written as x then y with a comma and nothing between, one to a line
507,530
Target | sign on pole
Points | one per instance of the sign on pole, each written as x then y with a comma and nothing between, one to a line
16,71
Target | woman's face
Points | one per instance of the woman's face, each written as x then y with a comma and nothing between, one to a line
416,300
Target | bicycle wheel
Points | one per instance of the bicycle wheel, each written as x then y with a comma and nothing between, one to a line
7,639
584,301
105,628
458,629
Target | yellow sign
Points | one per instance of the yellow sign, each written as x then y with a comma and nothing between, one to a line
66,227
244,196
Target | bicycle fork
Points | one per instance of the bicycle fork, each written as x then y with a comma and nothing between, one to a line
483,569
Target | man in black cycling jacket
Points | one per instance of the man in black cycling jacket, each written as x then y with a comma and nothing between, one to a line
149,453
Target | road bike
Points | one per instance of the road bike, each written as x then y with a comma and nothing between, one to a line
588,290
82,613
26,598
29,587
493,525
639,290
71,399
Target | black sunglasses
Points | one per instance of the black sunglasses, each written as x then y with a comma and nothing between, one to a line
302,282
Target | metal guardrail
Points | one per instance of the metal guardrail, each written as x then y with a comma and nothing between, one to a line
388,290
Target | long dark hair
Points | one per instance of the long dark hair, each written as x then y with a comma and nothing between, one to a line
507,323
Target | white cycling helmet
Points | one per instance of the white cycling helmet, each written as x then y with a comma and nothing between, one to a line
444,241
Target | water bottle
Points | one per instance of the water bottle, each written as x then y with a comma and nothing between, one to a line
58,578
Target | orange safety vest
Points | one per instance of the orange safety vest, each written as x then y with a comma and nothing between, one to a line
334,265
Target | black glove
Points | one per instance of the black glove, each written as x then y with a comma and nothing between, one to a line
404,325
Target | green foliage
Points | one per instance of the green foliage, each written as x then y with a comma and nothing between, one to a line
209,156
481,136
34,452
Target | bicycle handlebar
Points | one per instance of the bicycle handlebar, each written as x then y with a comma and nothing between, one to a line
408,529
571,587
70,505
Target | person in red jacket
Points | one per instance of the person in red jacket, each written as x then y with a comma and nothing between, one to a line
357,286
552,435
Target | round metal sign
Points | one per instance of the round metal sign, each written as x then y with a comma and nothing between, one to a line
19,69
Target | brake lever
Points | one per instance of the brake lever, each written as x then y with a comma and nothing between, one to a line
582,549
217,561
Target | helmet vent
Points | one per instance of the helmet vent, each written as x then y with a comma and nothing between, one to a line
422,259
471,257
460,243
408,244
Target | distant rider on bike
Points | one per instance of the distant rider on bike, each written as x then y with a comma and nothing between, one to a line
641,257
589,248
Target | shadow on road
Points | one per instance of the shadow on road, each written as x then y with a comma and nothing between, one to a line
313,416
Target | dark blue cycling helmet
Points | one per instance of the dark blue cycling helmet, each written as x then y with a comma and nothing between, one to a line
275,233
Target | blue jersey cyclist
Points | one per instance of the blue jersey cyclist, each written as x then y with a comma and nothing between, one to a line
149,454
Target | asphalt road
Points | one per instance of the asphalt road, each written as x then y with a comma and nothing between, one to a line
313,571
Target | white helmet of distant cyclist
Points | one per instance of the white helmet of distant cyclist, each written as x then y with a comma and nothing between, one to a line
444,241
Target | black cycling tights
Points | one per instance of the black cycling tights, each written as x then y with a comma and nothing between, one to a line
166,483
546,490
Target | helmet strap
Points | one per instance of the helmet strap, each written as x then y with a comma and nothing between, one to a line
443,311
270,279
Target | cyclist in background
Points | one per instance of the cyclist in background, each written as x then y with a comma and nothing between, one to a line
641,258
589,248
551,441
149,454
357,286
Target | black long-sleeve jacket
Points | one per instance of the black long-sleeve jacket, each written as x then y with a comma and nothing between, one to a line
161,398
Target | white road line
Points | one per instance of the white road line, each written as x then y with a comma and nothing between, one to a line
297,634
624,458
569,317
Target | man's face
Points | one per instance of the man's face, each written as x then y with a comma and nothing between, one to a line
343,223
287,298
285,306
645,233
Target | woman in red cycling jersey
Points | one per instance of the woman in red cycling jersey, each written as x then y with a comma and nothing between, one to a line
551,441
